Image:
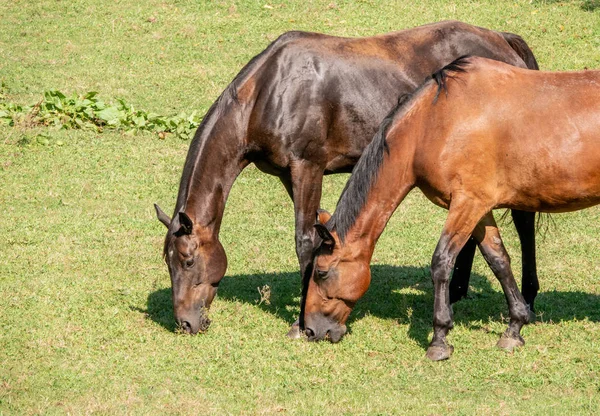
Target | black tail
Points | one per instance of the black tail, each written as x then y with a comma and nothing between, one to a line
521,48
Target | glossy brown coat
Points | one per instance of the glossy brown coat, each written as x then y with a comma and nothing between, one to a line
471,146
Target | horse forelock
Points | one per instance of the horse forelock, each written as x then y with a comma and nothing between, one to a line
166,245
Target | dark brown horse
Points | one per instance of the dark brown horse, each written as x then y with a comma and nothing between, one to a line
307,106
467,141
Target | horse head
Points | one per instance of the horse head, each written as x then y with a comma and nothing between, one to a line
197,263
340,277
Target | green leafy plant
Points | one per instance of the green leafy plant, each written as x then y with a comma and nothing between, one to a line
88,111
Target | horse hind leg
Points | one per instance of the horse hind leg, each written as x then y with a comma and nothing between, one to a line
496,256
525,225
462,219
459,284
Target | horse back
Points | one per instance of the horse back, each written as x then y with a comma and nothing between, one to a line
527,139
321,98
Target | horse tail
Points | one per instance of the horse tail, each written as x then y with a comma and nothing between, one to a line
440,77
521,48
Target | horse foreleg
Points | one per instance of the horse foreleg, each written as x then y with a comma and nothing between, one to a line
462,219
294,332
525,225
304,186
495,254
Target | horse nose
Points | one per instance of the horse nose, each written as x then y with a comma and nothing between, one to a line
309,333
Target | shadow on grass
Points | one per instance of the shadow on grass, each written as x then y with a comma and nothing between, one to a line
590,5
404,294
586,5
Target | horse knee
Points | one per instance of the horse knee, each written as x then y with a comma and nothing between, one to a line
304,242
304,249
440,268
443,320
499,262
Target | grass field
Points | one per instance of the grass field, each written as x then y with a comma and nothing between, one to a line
85,311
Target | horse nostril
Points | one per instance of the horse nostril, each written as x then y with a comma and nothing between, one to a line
186,327
309,332
204,324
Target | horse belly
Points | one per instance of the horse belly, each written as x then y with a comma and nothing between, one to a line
548,157
556,197
568,182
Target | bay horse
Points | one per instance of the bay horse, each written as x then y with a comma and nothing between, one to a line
466,140
307,106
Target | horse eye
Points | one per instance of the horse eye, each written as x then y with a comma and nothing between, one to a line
189,263
322,273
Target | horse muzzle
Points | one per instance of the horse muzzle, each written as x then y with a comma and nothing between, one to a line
192,325
319,327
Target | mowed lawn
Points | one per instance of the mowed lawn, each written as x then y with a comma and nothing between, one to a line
86,322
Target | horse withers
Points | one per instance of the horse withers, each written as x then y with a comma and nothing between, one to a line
467,141
306,106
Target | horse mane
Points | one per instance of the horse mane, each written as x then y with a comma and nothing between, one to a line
354,195
364,174
441,77
521,48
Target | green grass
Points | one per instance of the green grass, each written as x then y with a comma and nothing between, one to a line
85,311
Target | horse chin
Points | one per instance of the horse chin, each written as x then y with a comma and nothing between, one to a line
335,335
204,324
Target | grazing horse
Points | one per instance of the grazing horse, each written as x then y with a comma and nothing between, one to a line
467,141
307,106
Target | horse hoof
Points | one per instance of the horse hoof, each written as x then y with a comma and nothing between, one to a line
439,353
509,343
532,317
294,332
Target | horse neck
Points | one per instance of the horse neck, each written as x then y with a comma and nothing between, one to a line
393,182
215,159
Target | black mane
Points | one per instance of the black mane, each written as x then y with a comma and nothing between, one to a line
440,77
364,174
355,192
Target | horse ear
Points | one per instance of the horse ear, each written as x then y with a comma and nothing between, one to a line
162,217
325,235
186,224
322,216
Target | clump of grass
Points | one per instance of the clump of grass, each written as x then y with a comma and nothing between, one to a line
88,112
265,295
